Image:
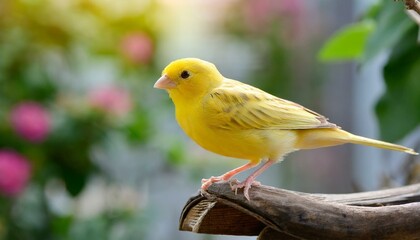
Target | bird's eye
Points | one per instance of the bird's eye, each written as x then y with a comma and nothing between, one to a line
185,74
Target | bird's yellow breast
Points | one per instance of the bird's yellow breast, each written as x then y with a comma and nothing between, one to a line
249,144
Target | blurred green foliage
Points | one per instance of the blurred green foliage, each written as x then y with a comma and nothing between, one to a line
385,27
46,47
348,43
400,105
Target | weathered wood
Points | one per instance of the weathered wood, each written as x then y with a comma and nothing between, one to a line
270,234
281,214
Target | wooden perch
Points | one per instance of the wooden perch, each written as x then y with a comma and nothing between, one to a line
281,214
413,5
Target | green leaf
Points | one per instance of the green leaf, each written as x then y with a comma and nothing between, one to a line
139,128
398,109
176,154
348,43
391,25
61,225
74,181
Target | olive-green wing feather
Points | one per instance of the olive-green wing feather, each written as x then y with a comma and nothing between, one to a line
236,105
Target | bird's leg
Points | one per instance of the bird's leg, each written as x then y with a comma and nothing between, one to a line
207,182
249,181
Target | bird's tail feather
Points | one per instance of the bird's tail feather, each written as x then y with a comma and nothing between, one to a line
316,138
380,144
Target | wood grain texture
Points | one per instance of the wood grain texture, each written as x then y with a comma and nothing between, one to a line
281,214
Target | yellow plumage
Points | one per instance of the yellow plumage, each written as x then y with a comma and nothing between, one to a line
237,120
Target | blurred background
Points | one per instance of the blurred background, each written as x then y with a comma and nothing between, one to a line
89,150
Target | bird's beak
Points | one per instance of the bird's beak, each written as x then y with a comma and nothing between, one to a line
164,82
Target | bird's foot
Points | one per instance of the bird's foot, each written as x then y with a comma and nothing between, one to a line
206,183
235,185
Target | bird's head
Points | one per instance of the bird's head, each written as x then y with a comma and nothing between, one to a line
188,78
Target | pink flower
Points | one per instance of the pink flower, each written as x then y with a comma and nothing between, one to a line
31,121
137,47
14,172
112,100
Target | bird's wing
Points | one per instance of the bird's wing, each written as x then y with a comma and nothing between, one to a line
236,105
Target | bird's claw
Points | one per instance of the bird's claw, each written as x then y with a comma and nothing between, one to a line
206,183
246,185
234,184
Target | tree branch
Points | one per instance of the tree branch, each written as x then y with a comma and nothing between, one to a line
413,5
276,213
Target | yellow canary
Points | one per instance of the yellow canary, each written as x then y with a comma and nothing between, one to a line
237,120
